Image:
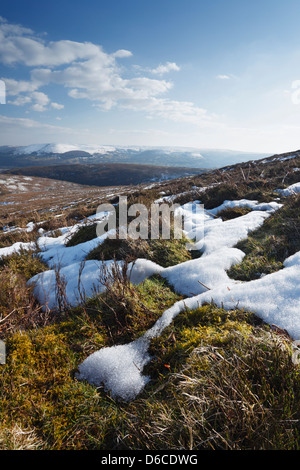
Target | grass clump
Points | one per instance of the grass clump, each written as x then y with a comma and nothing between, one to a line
262,257
120,249
18,307
267,247
233,212
128,310
163,252
215,196
83,234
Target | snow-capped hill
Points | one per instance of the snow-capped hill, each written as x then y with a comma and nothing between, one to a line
61,148
64,153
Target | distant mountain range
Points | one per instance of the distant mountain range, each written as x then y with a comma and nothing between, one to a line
64,154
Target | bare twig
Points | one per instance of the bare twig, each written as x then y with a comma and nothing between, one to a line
208,288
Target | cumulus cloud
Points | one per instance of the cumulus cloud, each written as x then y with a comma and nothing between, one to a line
57,105
18,45
41,101
20,100
166,68
15,87
87,73
122,53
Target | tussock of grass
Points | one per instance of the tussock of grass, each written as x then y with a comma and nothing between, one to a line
235,189
16,438
267,247
9,238
238,398
234,212
18,307
120,249
127,311
83,234
163,252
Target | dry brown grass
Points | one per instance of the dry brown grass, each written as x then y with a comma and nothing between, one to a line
18,438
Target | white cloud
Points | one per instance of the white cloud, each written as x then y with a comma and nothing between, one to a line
20,100
166,68
223,77
57,106
101,84
41,101
18,45
122,53
176,111
15,87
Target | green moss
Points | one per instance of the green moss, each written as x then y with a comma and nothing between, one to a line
26,263
39,389
208,324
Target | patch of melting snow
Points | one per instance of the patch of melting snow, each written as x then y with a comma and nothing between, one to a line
290,190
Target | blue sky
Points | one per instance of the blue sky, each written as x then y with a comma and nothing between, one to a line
192,73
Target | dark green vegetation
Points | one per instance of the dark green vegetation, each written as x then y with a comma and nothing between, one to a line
219,379
105,174
267,247
163,252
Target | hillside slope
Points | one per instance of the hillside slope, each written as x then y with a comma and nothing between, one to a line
155,344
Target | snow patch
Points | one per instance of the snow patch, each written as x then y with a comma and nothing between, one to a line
16,248
290,190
